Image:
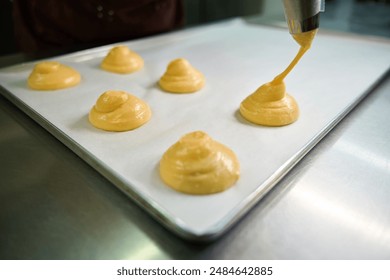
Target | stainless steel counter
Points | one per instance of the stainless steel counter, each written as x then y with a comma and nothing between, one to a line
333,205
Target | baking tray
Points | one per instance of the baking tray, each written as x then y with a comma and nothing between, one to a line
236,57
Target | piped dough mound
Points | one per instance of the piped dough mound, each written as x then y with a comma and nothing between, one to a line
270,105
197,164
52,75
122,60
181,77
119,111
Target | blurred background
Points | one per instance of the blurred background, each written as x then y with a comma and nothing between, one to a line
370,17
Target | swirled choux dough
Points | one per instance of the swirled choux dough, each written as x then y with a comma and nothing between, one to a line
122,60
270,105
197,164
119,111
181,77
52,75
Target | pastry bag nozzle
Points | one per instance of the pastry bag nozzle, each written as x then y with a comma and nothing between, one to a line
303,15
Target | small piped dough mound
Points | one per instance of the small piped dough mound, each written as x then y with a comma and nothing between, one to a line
119,111
197,164
122,60
269,105
181,77
52,75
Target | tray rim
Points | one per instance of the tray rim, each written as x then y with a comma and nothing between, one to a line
158,213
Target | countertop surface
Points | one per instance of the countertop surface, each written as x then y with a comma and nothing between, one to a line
333,205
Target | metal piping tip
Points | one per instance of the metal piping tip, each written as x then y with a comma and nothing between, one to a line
303,15
299,26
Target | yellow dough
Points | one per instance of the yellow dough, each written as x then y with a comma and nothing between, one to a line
122,60
52,75
119,111
197,164
270,105
181,77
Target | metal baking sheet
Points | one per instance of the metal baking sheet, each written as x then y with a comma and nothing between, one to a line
236,57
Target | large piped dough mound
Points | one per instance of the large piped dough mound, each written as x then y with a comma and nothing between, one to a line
119,111
52,75
197,164
122,60
269,105
181,77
